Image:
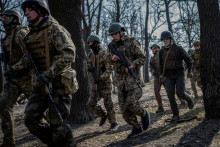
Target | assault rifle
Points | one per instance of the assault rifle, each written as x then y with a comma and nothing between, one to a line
125,63
47,91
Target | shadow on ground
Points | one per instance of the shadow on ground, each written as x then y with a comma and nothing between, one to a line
201,135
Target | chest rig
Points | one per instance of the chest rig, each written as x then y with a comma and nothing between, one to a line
40,47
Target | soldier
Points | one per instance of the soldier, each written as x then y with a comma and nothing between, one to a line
53,51
155,68
101,72
196,63
17,80
128,91
193,79
171,66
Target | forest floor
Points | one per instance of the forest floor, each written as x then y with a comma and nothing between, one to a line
198,132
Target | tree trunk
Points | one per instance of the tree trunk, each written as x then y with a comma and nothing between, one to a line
68,13
167,3
146,66
209,15
99,17
118,13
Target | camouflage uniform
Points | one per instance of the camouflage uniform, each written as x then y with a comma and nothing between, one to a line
128,91
155,61
53,51
104,70
196,70
17,80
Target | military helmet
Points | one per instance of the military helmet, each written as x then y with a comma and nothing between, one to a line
11,12
190,50
166,34
116,27
196,43
40,3
94,38
155,45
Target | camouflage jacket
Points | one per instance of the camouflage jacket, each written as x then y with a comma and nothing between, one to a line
133,53
53,39
174,62
195,58
13,49
155,61
104,69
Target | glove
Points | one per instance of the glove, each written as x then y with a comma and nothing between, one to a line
10,72
189,75
90,68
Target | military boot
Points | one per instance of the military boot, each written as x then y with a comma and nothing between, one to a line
160,109
145,121
103,120
114,127
135,132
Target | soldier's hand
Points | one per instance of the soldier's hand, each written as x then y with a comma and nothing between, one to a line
115,58
189,75
126,69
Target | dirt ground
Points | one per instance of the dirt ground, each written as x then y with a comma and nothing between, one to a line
195,133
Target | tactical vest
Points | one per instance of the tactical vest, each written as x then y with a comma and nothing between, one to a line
12,50
41,48
196,59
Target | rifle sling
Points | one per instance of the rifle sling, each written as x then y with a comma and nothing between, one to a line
165,61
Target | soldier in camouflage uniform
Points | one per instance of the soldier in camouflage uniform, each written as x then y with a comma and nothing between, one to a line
196,63
193,79
17,80
101,72
154,61
171,66
53,51
128,91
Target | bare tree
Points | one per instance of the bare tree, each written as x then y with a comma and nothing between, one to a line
71,19
209,15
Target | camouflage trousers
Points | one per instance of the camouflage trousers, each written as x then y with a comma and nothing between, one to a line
130,106
197,78
42,120
96,107
8,98
157,87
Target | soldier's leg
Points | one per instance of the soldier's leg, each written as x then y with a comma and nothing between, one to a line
199,81
109,107
132,103
61,132
170,88
129,117
34,114
95,107
193,85
180,91
157,91
6,112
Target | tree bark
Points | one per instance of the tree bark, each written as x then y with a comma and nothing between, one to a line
209,15
68,13
99,17
118,13
167,3
146,66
